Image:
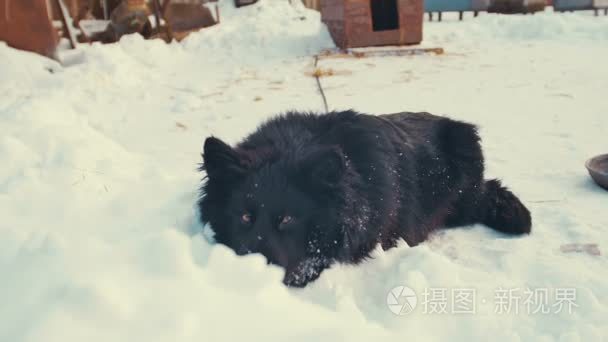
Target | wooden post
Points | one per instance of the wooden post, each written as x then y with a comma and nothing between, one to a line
475,14
430,16
168,27
164,6
67,28
440,16
106,10
157,15
460,15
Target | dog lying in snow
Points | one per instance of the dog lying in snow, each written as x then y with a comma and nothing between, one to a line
308,190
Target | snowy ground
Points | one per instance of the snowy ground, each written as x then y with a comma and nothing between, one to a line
99,240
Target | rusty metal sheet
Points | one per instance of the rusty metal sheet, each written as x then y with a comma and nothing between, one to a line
188,16
26,25
516,6
73,7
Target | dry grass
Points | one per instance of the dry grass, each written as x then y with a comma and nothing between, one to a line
319,72
404,51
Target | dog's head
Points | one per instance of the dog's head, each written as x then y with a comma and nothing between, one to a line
285,206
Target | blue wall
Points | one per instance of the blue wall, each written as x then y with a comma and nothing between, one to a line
572,4
447,5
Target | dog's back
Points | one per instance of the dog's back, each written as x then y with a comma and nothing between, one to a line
415,171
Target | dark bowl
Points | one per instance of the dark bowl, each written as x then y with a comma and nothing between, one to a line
598,169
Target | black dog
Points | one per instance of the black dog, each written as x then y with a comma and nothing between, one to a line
309,190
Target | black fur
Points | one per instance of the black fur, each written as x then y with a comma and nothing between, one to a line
309,190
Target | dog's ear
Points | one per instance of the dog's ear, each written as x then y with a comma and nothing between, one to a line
220,160
324,167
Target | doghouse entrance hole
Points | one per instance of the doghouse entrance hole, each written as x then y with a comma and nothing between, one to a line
384,15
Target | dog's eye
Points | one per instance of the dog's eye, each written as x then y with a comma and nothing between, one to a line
246,218
286,219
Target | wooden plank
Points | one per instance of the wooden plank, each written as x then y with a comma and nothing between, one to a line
63,13
337,53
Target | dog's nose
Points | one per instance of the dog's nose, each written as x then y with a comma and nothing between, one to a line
243,250
275,253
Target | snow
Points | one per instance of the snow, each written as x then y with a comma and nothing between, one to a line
99,239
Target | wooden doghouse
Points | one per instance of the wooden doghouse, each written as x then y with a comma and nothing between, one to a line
359,23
